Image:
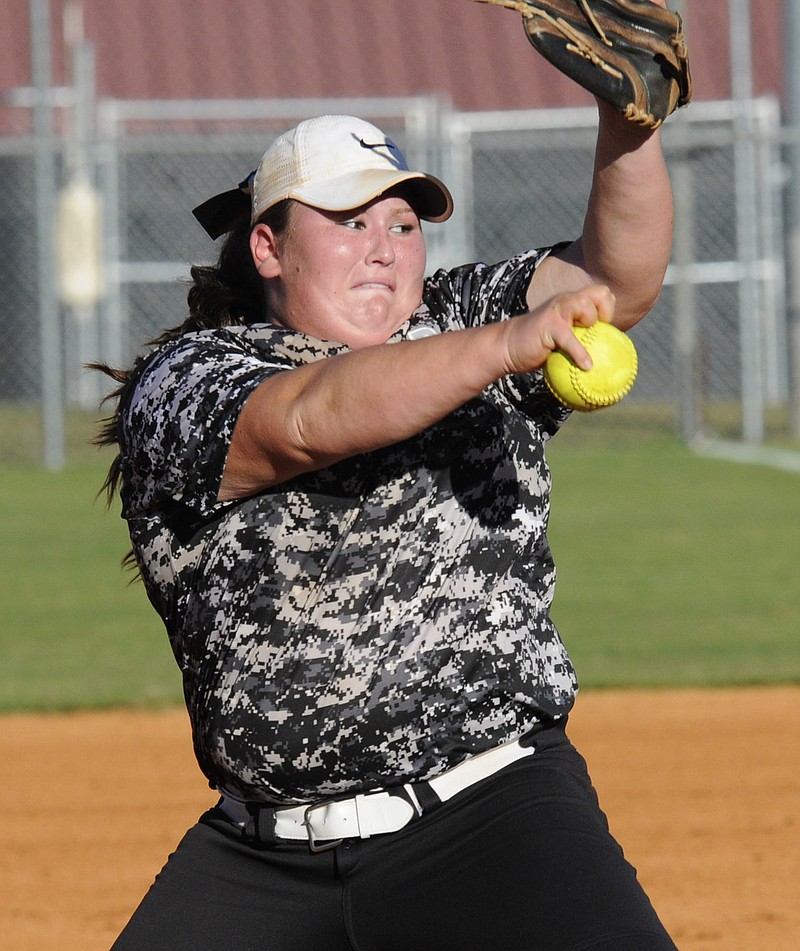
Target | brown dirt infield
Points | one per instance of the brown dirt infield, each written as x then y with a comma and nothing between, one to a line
701,787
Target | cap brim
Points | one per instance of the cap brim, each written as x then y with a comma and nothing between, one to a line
430,198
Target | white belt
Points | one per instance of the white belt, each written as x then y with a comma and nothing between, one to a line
324,824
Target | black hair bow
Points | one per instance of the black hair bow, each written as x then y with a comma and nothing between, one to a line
224,212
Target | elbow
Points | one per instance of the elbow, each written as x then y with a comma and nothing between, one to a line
636,299
631,313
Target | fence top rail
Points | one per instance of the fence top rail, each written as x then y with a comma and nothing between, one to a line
577,117
115,111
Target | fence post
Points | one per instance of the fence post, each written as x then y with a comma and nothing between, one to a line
79,236
689,390
791,14
746,224
45,166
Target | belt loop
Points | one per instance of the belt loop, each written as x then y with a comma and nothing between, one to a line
426,797
545,723
259,830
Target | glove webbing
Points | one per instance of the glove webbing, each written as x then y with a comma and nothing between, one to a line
577,43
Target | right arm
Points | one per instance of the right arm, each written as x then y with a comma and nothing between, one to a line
308,418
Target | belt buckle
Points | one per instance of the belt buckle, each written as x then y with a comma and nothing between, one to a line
312,841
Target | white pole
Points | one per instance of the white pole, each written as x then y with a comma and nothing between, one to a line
687,369
45,171
791,59
747,224
79,237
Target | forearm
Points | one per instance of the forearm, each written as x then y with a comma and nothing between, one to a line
627,234
305,419
309,418
382,395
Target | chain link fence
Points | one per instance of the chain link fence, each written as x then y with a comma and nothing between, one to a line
519,179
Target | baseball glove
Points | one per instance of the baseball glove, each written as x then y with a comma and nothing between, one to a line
629,53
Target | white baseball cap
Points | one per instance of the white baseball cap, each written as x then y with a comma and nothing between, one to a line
334,163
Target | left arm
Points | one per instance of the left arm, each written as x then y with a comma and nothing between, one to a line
627,233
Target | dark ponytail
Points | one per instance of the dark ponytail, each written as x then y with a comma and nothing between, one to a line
229,293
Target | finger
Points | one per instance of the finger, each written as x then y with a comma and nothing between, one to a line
606,304
595,302
565,341
575,350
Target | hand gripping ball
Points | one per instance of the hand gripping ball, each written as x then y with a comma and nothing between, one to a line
614,367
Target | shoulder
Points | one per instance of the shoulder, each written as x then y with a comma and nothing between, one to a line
481,292
255,345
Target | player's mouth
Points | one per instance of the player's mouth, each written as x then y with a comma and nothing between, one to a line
376,286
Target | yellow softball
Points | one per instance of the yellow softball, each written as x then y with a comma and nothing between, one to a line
614,367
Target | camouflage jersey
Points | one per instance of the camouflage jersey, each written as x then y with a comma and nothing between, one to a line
370,623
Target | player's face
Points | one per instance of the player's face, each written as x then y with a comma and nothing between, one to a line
353,277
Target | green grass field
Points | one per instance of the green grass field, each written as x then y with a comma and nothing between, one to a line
673,570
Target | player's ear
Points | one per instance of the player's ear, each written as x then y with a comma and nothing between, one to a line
265,248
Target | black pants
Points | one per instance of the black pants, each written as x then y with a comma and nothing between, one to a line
522,861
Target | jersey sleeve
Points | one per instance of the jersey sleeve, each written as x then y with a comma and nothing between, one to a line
478,294
177,422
